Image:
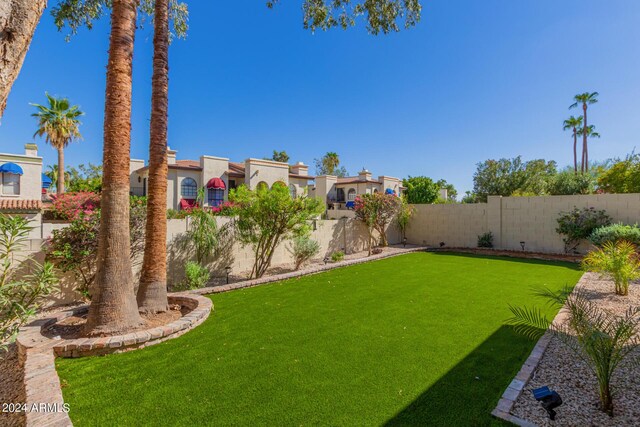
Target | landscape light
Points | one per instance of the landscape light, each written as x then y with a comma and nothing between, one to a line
441,244
228,270
549,400
522,245
404,242
326,260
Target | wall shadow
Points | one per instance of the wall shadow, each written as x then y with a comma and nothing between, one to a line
466,394
534,261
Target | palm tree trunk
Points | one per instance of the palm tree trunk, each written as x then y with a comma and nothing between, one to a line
152,293
575,153
585,157
60,184
113,307
18,22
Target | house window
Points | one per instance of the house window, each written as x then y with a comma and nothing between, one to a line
10,184
292,191
189,188
232,184
351,195
340,195
215,197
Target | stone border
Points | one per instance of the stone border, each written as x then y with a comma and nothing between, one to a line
516,387
307,272
37,354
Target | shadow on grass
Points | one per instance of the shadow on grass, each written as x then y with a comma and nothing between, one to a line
453,253
467,394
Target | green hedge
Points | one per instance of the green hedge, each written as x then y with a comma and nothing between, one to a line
615,233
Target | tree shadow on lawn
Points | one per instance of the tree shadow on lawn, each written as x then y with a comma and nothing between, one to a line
536,261
467,394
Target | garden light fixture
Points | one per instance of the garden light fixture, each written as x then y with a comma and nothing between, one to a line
522,245
441,244
404,242
549,400
228,270
326,260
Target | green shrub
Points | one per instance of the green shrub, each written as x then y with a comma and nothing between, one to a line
485,240
617,260
23,282
578,224
337,256
568,182
303,250
196,276
615,233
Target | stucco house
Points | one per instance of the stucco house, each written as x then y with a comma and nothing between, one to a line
340,193
218,175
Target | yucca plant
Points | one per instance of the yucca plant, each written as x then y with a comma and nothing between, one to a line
600,338
616,260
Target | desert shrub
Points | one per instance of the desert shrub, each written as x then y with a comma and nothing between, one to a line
578,224
196,276
70,206
23,282
600,338
303,249
568,182
202,234
615,233
405,212
485,240
617,260
337,256
74,248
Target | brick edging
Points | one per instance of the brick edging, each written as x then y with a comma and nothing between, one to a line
37,354
516,387
308,272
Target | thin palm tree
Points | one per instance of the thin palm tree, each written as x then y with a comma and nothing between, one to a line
58,123
585,99
331,161
113,306
585,133
574,123
152,292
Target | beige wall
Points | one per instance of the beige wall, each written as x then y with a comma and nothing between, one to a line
270,172
513,220
31,179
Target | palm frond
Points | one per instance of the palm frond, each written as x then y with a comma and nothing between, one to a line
529,322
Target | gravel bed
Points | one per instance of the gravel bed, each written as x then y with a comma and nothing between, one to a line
563,371
11,387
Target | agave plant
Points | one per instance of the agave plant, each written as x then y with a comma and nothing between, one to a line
600,338
617,260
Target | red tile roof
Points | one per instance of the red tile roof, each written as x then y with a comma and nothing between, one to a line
20,205
354,180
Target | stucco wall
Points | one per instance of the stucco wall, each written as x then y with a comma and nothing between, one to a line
456,225
31,179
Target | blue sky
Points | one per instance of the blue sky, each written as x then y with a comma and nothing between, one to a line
474,80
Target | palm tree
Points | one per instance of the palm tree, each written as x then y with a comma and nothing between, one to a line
59,124
585,133
113,306
152,293
585,99
574,123
331,161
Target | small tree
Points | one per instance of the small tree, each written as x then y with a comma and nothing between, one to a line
376,212
578,224
600,338
267,217
617,260
23,283
303,249
405,212
421,189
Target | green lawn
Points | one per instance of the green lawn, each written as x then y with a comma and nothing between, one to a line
412,340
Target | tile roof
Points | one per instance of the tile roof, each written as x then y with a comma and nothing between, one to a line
20,205
354,180
186,164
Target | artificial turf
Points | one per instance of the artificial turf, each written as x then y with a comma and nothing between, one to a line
418,339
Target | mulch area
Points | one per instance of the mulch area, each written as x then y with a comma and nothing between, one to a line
11,387
511,253
563,371
73,327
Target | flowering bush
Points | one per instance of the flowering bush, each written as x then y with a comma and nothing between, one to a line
71,206
225,209
376,211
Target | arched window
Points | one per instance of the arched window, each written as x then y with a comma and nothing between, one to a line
215,197
351,195
262,186
292,191
10,184
375,191
189,188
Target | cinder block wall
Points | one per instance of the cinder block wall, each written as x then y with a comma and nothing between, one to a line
512,220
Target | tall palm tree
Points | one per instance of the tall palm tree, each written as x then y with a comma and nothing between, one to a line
152,292
59,125
585,99
113,306
331,161
574,123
